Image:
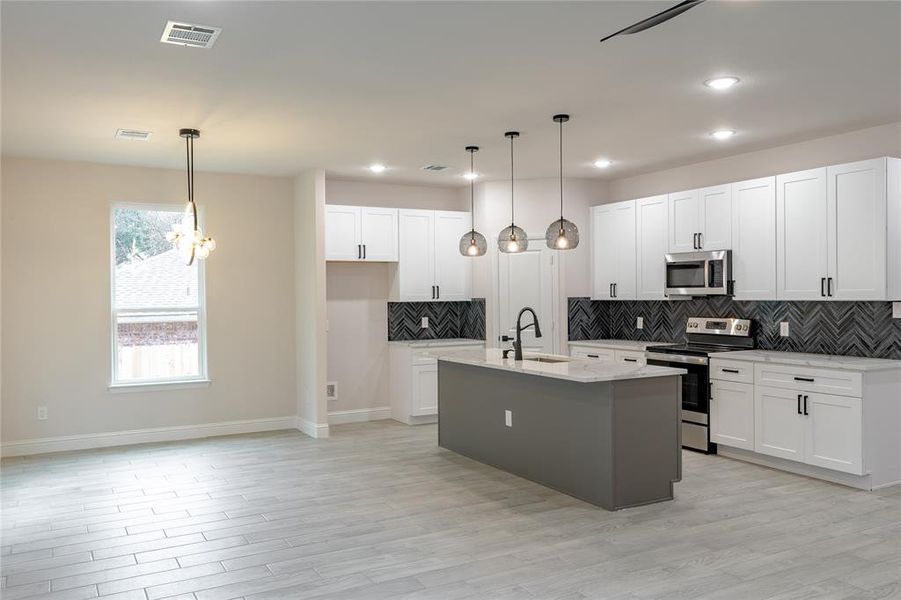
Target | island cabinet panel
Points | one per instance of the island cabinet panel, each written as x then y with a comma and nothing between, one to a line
614,444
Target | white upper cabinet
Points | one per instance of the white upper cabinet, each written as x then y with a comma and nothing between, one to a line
379,235
613,251
856,226
431,267
453,271
715,204
357,233
754,239
801,245
684,221
342,232
893,246
651,217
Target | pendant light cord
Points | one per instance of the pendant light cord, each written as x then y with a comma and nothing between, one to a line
561,173
512,219
472,197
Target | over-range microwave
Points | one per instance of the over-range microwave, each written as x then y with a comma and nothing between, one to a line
707,273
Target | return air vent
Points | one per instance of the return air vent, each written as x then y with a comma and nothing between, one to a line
434,168
133,134
186,34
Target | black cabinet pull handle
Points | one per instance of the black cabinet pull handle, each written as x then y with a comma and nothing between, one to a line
437,292
614,290
592,356
433,292
364,251
359,251
611,290
701,241
805,406
829,286
823,287
730,371
630,359
694,240
799,404
807,379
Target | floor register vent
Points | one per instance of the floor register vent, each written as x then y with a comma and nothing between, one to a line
186,34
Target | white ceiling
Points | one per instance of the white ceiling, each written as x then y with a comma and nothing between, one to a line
339,85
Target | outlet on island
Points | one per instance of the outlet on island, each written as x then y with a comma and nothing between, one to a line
508,418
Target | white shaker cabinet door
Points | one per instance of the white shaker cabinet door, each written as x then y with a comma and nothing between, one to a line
754,239
684,222
624,234
856,201
416,264
779,423
425,390
801,246
715,205
342,232
379,233
453,271
732,414
603,251
651,246
834,437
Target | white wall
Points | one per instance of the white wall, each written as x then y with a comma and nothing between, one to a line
357,296
309,292
56,299
884,140
537,205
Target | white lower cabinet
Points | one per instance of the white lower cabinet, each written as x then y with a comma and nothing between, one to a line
413,379
732,414
779,423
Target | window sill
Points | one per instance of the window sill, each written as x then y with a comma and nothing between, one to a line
158,386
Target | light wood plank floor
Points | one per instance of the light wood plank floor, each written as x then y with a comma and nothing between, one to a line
378,511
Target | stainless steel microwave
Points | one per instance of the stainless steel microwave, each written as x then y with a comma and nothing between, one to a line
707,273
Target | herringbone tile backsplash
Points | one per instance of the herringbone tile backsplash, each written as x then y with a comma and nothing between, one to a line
446,320
846,328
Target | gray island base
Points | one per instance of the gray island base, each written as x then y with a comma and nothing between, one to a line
613,443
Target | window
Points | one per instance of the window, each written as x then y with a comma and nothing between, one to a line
158,319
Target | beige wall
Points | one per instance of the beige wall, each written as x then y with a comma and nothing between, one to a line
56,299
365,193
884,140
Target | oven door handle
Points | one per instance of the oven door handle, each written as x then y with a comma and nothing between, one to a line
677,358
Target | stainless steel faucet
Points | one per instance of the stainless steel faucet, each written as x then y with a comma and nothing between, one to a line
517,344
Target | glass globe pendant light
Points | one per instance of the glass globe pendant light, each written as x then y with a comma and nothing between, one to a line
186,236
472,243
562,234
512,239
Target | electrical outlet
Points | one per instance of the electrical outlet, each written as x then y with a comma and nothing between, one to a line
42,413
896,310
424,323
331,391
639,323
783,328
508,418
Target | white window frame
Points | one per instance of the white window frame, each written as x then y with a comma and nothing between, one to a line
202,378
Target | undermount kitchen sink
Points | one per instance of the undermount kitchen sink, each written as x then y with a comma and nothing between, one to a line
547,359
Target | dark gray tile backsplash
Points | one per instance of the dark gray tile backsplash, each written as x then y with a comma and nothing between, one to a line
846,328
446,320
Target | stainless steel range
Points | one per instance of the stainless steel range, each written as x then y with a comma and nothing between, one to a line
706,335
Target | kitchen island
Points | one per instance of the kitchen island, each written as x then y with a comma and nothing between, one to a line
606,433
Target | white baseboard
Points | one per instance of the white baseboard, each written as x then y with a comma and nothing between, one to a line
314,430
861,482
143,436
359,415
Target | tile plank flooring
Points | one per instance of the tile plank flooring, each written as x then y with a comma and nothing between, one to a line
379,511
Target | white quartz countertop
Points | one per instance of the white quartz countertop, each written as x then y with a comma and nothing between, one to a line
438,343
619,344
572,369
801,359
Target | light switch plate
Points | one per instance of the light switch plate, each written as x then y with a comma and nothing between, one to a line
42,413
508,418
896,310
425,323
783,328
639,323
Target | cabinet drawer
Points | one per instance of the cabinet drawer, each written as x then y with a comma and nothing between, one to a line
601,354
826,381
631,357
731,370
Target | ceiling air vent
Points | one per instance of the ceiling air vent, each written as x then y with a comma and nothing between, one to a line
133,134
186,34
434,168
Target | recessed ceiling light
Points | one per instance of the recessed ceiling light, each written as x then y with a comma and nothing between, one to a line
603,163
721,83
470,175
722,134
377,168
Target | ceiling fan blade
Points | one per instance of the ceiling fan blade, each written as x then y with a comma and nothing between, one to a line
657,19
